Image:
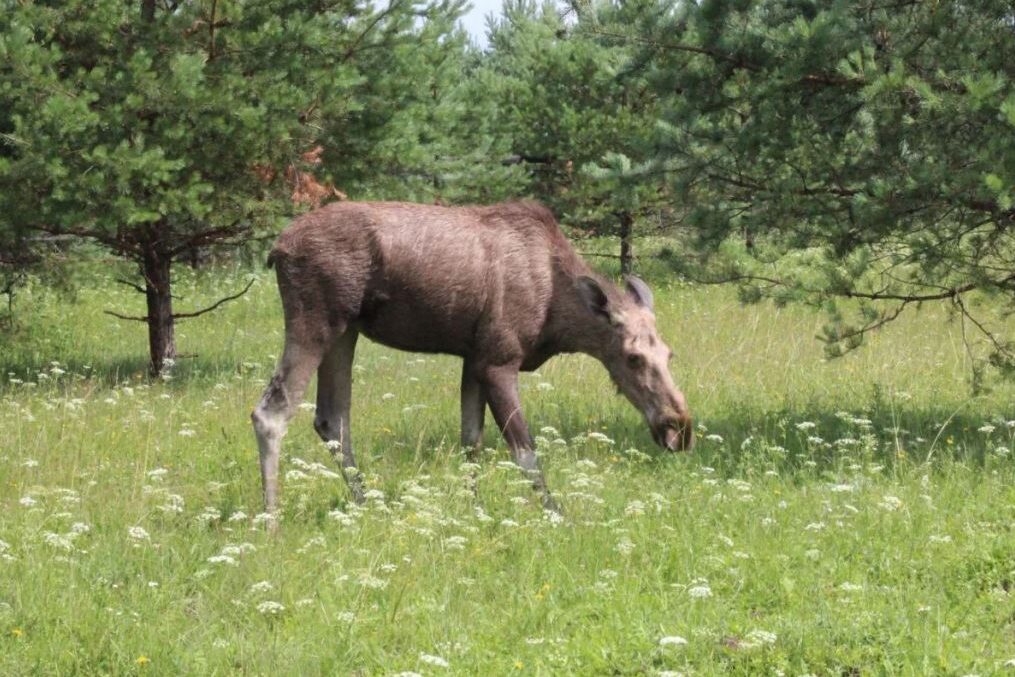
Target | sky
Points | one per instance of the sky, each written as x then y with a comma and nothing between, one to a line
474,20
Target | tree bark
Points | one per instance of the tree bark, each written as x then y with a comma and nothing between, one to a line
156,266
626,250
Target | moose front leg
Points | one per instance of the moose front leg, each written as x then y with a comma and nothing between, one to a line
501,384
334,400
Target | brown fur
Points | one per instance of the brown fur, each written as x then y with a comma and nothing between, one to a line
499,286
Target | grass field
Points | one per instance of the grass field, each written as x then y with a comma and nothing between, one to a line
836,518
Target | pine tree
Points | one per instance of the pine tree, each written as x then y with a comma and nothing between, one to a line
581,115
846,151
154,128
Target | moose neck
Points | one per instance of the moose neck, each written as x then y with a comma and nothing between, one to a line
571,326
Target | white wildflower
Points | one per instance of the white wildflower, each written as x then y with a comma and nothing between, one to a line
368,580
672,640
270,608
700,591
223,559
625,546
890,503
455,542
263,586
138,533
57,541
634,509
434,660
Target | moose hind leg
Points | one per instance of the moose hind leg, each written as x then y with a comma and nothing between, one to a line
276,408
334,401
473,412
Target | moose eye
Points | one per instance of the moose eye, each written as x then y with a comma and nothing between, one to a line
635,361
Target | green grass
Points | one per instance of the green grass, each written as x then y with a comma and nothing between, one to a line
845,517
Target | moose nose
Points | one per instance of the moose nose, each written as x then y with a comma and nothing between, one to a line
679,435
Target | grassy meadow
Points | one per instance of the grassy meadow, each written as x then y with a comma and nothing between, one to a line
850,517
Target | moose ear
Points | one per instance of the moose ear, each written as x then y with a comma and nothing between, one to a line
639,292
593,296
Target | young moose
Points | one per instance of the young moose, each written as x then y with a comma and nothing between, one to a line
499,286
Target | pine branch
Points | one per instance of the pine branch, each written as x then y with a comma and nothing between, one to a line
196,313
133,318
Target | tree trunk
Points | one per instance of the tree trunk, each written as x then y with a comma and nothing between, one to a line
626,251
161,339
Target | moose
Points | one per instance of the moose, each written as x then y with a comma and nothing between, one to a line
499,286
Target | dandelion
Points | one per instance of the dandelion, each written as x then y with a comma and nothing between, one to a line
143,660
436,661
270,608
673,640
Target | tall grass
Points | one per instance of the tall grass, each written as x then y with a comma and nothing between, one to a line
843,517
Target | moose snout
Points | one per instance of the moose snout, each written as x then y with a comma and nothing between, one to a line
676,434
